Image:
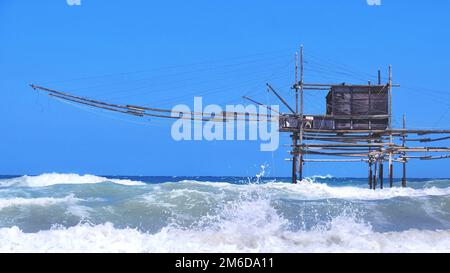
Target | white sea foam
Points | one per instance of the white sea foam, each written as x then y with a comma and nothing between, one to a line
242,225
328,176
310,190
49,179
342,235
207,183
313,190
42,201
306,189
240,218
82,212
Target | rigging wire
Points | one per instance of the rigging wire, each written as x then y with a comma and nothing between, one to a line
176,75
274,53
184,86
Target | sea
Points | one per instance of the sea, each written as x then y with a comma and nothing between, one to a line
62,212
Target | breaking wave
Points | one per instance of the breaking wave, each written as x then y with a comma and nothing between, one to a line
43,201
308,189
98,214
50,179
264,231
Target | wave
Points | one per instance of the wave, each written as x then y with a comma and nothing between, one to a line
50,179
341,235
43,201
313,190
328,176
225,217
309,189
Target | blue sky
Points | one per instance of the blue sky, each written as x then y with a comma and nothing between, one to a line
162,53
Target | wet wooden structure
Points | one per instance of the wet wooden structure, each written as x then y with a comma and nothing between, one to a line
356,126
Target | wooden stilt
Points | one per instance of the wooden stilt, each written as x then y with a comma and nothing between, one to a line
300,84
294,169
391,174
300,168
374,180
381,174
404,159
404,174
370,174
294,159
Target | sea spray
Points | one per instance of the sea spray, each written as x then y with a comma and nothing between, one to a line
66,212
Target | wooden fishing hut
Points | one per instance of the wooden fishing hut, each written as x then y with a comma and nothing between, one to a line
356,127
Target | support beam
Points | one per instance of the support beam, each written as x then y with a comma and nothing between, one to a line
301,82
294,159
374,180
370,174
390,125
423,149
404,159
294,169
391,174
280,98
419,131
404,174
261,104
296,83
340,84
335,160
390,96
434,157
358,117
334,149
336,154
381,174
300,167
379,132
347,145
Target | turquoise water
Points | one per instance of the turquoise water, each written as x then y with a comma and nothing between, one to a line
70,212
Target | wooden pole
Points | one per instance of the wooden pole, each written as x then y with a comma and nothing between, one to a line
261,104
390,125
391,174
404,153
379,77
300,167
301,81
390,166
404,174
370,159
381,173
294,158
374,180
390,96
296,83
280,98
334,160
294,169
295,148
